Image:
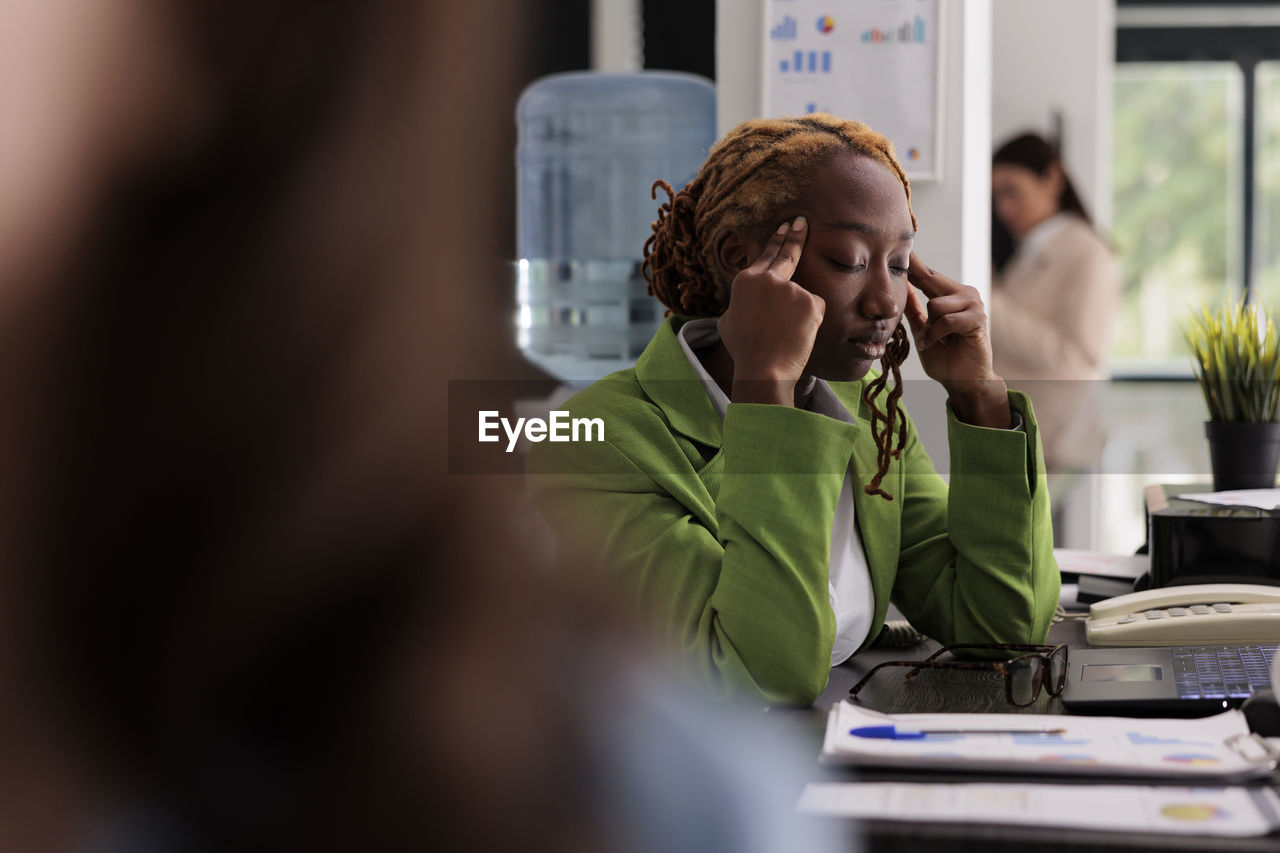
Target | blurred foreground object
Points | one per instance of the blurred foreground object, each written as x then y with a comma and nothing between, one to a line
244,607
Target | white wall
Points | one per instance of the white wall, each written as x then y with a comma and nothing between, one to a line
617,41
1051,55
739,48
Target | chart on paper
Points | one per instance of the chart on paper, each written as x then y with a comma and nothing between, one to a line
1223,812
1211,747
873,62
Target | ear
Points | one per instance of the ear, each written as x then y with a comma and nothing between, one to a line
732,253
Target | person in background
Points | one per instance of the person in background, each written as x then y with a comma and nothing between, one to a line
1054,300
760,494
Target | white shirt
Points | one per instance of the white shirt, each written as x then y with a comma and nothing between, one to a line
1040,235
848,579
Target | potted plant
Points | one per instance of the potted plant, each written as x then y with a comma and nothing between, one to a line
1237,363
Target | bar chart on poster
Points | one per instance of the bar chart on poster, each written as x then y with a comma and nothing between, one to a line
876,62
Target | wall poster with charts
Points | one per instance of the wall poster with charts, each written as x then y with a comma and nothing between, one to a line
876,61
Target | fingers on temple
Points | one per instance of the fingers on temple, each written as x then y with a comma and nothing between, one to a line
771,247
782,252
788,256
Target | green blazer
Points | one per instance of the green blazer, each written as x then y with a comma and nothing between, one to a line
721,530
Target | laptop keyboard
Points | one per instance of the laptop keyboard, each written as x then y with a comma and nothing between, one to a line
1222,672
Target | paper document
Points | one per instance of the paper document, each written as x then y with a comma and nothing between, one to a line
1256,498
1078,562
1218,748
1239,812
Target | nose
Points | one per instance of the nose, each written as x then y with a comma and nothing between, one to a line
879,300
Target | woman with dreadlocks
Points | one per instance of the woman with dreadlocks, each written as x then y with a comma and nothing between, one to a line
759,492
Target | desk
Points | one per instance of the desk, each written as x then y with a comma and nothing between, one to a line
942,690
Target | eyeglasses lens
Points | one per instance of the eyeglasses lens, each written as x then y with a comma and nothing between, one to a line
1058,670
1024,679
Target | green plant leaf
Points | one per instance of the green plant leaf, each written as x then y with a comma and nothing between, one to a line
1235,352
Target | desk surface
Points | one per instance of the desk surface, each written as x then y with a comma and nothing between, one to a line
944,690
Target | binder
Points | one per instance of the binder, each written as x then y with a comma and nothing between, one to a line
1217,749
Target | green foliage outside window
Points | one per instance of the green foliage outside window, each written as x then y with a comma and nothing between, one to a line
1267,202
1176,199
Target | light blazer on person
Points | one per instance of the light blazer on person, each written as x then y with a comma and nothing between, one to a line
1051,322
721,530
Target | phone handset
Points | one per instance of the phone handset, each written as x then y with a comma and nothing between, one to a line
1194,614
1174,596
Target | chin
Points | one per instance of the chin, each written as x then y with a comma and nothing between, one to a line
849,371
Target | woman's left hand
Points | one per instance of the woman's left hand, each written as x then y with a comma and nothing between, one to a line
951,336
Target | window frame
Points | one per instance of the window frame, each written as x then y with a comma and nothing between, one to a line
1244,32
1245,46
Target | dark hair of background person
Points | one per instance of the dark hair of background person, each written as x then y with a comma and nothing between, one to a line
255,601
1034,152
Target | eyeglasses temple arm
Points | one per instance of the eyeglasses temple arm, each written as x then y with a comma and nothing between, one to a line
853,691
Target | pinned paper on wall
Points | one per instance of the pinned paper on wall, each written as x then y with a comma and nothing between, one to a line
878,63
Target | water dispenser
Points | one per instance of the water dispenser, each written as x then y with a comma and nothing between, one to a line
590,147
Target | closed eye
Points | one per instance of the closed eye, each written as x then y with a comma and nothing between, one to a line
847,267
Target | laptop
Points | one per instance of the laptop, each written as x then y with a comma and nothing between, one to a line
1167,680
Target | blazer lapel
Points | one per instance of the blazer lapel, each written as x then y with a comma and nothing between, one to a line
670,382
667,378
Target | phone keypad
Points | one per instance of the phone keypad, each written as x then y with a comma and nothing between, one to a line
1195,609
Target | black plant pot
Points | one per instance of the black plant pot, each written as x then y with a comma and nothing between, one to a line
1243,455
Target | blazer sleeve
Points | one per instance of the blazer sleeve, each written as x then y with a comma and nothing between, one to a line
976,561
1071,340
744,602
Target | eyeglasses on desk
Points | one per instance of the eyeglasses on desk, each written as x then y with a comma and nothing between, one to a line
1025,675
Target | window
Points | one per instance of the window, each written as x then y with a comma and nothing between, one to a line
1267,201
1177,200
1196,204
1196,215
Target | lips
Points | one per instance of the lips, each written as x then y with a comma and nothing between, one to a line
870,348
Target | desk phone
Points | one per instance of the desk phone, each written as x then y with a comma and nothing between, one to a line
1194,614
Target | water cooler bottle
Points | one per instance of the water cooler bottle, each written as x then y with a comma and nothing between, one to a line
590,146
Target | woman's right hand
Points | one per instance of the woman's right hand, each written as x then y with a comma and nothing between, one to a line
771,322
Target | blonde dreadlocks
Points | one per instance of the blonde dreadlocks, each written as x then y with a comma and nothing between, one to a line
752,173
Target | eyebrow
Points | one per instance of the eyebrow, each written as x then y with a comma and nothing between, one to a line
864,228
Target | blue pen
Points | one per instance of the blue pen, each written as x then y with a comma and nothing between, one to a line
892,732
